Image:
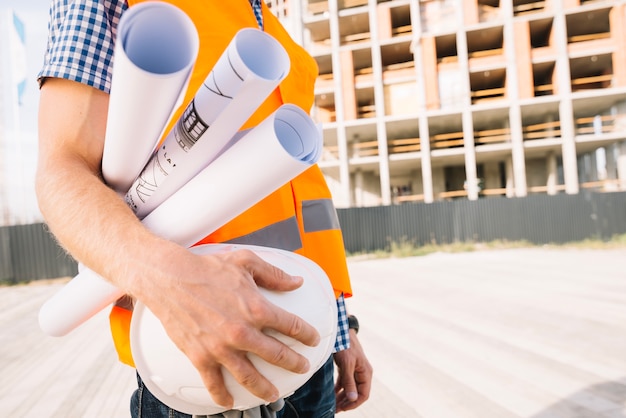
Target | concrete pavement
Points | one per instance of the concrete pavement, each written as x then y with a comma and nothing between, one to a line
535,333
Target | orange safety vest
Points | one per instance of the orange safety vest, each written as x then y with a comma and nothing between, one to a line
300,216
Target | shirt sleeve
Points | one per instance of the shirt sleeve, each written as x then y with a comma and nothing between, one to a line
343,331
81,40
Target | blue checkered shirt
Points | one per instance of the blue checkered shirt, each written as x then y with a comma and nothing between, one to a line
81,41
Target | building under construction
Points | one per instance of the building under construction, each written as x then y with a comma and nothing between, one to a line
441,99
15,188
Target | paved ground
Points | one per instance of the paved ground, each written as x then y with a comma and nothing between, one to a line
534,333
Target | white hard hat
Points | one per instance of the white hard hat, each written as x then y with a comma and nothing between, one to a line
172,378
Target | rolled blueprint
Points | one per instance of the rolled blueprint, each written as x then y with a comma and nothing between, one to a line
250,68
271,154
265,158
80,299
156,48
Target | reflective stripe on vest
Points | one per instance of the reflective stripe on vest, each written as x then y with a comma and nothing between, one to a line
283,235
319,215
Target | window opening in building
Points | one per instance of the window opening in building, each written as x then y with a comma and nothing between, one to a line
354,28
488,10
522,7
317,7
543,78
591,72
488,85
540,32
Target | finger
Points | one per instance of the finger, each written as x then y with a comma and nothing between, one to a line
345,404
342,402
268,275
238,365
273,351
270,317
350,391
292,326
214,382
365,386
249,377
345,390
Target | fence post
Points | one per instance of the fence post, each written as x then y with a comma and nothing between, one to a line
7,275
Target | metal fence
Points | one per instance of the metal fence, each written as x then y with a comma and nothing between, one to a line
28,252
539,219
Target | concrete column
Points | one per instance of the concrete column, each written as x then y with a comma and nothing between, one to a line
383,164
522,60
379,99
518,156
347,86
621,165
611,167
517,53
570,170
510,178
471,180
425,56
344,169
470,11
617,20
427,171
571,4
566,116
470,156
428,54
358,188
552,173
553,40
384,21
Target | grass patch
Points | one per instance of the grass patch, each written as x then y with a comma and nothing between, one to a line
407,248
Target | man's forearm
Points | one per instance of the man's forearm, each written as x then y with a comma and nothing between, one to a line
89,219
94,224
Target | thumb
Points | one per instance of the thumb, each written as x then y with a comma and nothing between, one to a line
350,389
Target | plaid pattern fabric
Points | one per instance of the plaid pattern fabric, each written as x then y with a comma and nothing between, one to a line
256,6
343,336
81,42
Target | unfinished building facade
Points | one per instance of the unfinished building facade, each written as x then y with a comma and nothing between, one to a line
443,99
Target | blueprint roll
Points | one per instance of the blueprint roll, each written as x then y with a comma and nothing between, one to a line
262,160
157,46
250,68
268,156
80,299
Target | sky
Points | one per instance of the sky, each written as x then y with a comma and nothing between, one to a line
22,156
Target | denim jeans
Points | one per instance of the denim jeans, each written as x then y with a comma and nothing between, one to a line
315,399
